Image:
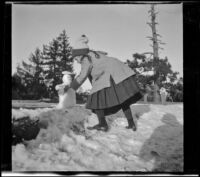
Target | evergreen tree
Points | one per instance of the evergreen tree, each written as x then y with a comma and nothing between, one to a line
155,47
56,58
44,70
52,72
18,89
64,52
31,75
153,69
149,70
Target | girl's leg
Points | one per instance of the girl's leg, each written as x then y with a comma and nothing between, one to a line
131,119
101,117
102,125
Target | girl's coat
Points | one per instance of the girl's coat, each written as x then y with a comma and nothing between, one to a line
99,71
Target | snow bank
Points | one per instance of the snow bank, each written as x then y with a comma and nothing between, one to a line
156,146
32,113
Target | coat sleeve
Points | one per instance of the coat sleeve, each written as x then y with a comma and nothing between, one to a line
86,67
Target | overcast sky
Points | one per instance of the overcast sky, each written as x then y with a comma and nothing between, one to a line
119,29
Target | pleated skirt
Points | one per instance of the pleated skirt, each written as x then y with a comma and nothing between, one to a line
110,99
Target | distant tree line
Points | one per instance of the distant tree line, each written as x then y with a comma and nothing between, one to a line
151,71
38,78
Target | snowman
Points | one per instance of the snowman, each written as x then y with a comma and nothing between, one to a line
67,99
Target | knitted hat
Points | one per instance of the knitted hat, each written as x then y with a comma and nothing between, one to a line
80,47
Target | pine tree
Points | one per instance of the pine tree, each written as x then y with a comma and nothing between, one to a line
64,52
153,69
156,47
36,60
18,89
56,58
31,76
145,71
50,59
44,70
154,38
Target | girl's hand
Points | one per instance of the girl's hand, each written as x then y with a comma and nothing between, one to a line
66,88
58,87
63,89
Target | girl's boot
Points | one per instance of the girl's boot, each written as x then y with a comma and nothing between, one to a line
132,124
102,125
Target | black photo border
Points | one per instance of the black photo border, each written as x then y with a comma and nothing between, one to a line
191,76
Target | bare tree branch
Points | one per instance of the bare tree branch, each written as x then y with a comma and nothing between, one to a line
149,37
150,24
148,53
163,43
158,35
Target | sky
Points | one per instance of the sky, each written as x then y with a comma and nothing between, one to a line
118,29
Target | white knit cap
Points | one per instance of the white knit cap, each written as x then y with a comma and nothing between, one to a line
81,46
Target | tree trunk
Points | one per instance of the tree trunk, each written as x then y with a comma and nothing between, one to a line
145,98
156,96
154,34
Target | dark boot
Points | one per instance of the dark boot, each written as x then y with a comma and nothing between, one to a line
131,119
102,125
97,126
132,124
103,128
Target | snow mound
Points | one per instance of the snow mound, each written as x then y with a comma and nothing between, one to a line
31,113
156,146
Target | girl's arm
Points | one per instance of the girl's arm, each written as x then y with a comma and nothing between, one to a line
86,67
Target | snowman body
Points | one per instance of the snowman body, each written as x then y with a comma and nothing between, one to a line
68,99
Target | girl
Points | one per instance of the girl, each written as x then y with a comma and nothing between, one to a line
113,84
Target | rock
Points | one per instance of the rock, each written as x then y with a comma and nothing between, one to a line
24,129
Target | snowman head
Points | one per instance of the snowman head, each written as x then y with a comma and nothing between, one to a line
67,77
